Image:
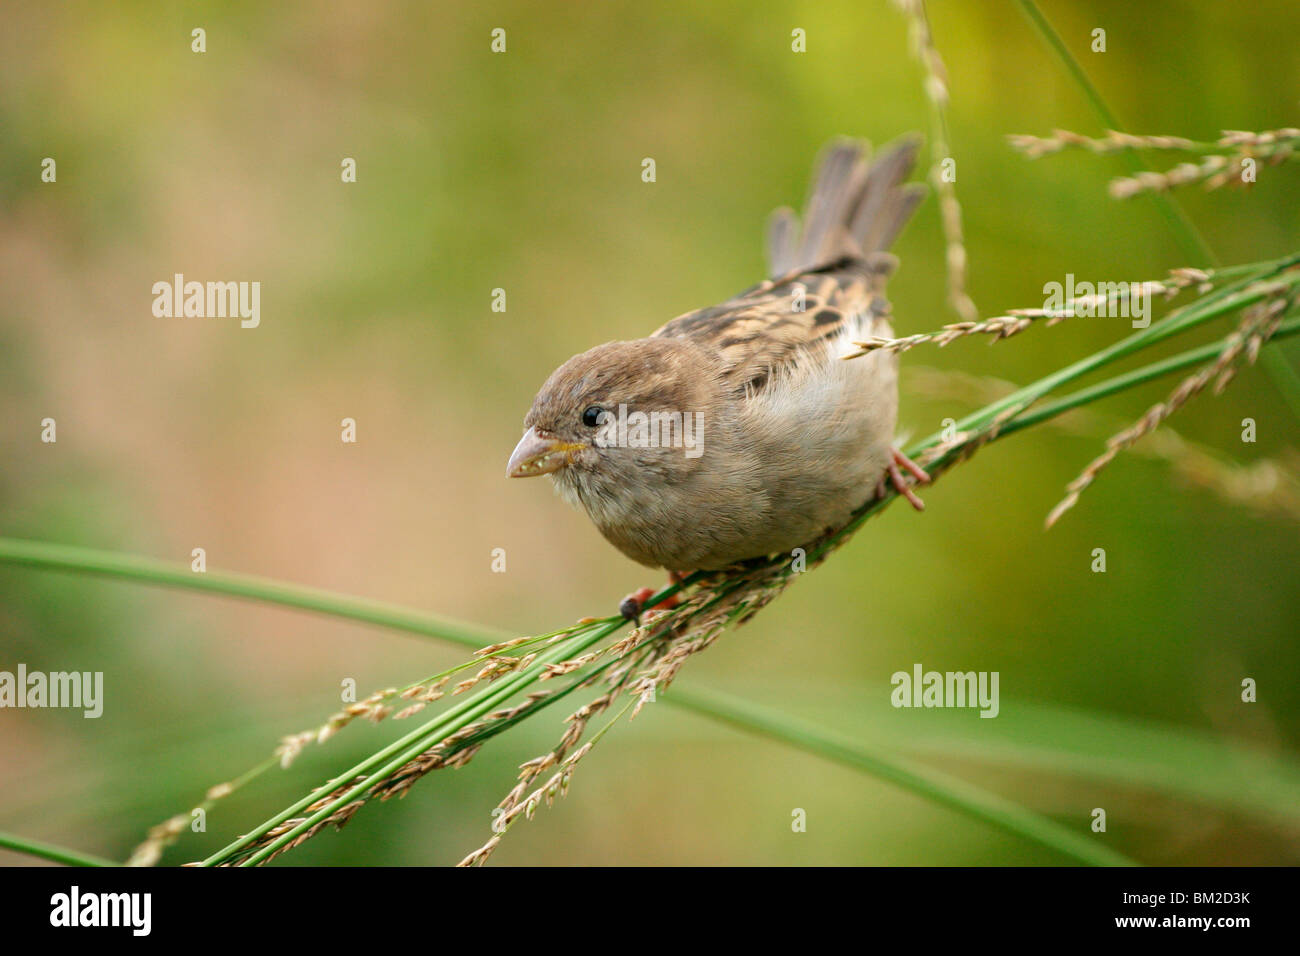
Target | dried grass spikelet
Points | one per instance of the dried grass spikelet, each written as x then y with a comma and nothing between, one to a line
1222,162
1113,141
1214,171
1264,485
936,91
1017,320
642,644
556,786
453,751
1257,324
159,838
375,708
643,664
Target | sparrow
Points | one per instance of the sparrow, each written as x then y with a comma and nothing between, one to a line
737,431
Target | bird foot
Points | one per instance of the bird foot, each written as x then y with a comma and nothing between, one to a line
632,606
894,473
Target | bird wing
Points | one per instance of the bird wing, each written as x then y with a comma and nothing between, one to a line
776,323
829,276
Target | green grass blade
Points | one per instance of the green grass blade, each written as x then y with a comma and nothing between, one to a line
48,851
1194,246
931,784
144,570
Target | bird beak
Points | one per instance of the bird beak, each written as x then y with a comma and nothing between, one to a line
539,454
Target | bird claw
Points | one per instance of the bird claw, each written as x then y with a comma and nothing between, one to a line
632,606
900,483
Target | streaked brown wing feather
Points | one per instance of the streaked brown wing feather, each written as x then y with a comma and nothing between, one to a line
837,259
760,330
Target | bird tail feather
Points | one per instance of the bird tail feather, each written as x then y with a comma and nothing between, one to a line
856,209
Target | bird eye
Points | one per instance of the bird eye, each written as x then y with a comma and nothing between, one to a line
591,417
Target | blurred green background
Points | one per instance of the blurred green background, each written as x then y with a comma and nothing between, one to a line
522,171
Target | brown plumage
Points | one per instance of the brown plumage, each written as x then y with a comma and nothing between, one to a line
759,436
